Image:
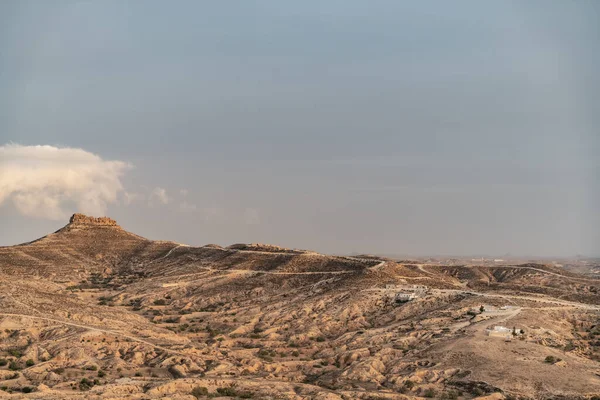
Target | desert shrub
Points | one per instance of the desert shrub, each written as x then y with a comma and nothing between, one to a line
266,355
30,363
27,389
227,391
15,353
550,360
569,346
101,374
199,391
430,392
13,366
295,353
138,373
91,368
85,384
160,302
409,384
320,339
3,362
449,395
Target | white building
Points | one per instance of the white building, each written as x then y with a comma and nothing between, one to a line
403,297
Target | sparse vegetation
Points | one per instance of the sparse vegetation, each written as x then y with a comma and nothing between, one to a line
551,360
239,316
14,366
199,391
232,392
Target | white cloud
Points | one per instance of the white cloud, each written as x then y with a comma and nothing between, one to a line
160,196
130,198
52,182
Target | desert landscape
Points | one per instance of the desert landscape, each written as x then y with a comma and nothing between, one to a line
95,312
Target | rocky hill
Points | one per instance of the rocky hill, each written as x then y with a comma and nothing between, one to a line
93,311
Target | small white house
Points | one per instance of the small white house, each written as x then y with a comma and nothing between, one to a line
402,297
500,331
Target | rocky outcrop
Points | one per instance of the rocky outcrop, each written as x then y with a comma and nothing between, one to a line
82,219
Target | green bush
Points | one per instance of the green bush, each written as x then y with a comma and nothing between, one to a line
13,366
199,391
429,393
30,363
15,353
85,384
231,392
227,391
160,302
450,395
3,362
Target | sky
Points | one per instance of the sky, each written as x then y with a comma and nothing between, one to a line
384,127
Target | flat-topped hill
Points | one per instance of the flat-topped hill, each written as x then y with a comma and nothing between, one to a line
81,219
85,245
94,245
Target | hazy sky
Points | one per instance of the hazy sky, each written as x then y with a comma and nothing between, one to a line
422,127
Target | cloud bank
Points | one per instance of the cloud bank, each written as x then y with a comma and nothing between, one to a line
52,182
159,196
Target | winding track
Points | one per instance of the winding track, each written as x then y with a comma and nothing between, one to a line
518,297
91,328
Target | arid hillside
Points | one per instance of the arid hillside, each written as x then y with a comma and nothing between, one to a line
95,312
